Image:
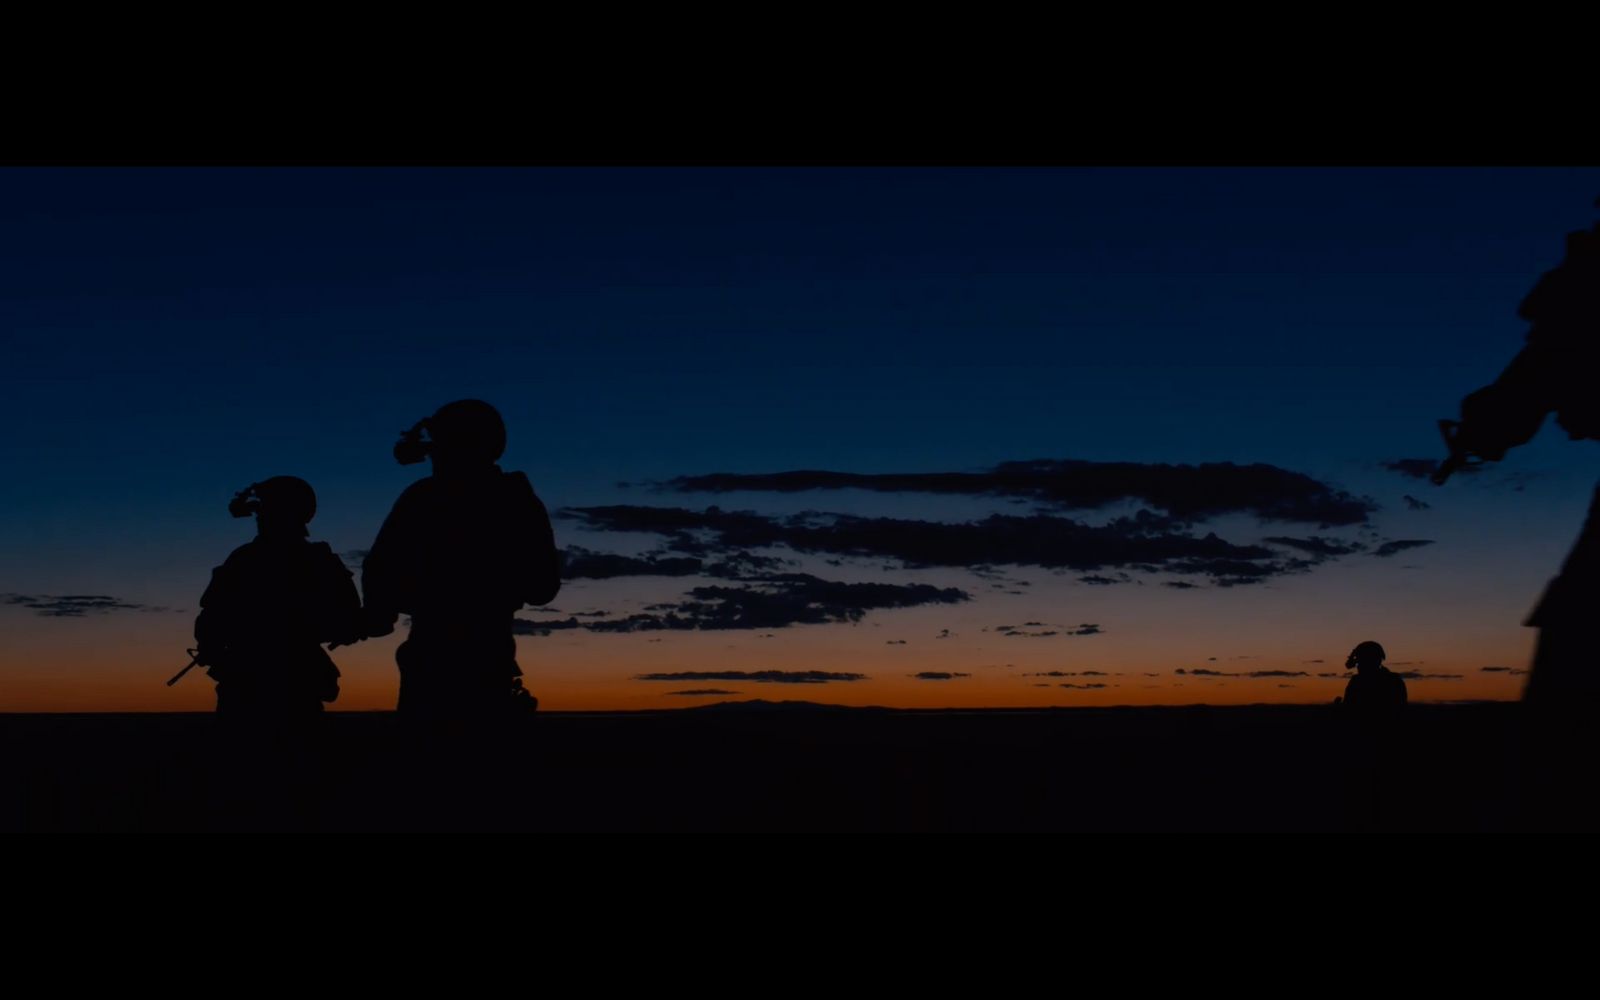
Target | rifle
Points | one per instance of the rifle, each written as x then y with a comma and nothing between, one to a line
194,661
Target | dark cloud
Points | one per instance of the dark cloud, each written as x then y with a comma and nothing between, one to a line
1319,547
1390,548
1143,541
1413,468
944,633
1330,675
937,675
1099,581
586,564
894,642
774,601
579,563
1238,572
1496,670
735,565
1313,661
1081,687
76,605
1412,503
1180,585
757,676
1421,468
1257,674
1184,492
702,692
544,626
1015,632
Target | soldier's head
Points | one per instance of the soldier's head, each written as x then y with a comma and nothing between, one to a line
283,505
462,436
1365,656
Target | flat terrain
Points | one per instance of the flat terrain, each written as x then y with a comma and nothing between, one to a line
783,768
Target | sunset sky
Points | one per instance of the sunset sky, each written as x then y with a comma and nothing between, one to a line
1060,437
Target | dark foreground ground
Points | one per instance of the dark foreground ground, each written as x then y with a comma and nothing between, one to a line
1279,768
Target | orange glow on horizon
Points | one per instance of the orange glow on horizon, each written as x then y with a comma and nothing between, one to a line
602,676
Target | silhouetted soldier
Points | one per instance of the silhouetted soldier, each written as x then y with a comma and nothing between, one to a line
460,552
270,607
1557,371
1375,688
1372,704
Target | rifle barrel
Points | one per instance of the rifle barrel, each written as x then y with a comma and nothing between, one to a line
193,662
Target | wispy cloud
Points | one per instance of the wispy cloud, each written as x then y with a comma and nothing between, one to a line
1391,548
755,676
78,605
1185,492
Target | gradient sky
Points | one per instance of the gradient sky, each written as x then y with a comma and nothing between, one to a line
169,336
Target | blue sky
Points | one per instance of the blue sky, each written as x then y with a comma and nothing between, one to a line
172,335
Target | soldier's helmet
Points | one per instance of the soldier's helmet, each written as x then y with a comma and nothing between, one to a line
282,499
1366,652
468,431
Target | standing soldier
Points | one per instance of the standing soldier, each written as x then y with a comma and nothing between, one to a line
270,607
461,551
1375,688
1557,371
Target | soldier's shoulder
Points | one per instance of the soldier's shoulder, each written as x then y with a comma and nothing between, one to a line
245,553
1584,243
516,481
323,556
417,493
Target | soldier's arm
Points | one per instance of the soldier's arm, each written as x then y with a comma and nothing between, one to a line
542,573
341,621
1509,411
211,626
383,570
1560,357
